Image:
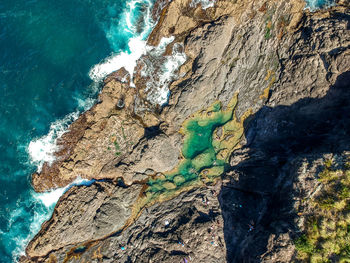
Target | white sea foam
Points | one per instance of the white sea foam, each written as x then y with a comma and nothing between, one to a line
84,103
159,75
127,60
205,3
42,149
136,44
44,204
160,49
161,70
48,199
40,216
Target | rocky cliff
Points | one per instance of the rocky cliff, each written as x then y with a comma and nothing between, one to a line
221,171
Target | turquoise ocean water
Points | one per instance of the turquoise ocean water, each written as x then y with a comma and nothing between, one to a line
313,5
47,50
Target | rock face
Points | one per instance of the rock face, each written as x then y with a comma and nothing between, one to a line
290,69
168,232
102,205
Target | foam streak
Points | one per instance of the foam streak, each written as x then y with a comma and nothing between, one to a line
205,3
42,150
137,45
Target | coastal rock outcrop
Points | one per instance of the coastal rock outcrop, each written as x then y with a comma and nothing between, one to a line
289,70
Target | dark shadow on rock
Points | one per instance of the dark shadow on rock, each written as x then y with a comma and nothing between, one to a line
257,201
153,131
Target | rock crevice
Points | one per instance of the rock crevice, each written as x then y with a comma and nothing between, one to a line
289,70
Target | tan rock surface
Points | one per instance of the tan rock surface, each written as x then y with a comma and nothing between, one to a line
101,209
290,69
96,142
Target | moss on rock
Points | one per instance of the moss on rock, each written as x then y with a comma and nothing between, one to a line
327,235
210,136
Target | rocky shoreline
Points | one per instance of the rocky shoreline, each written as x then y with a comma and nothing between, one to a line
290,70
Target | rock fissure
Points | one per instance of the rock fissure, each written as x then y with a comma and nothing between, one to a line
263,93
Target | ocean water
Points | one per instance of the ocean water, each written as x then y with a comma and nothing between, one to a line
53,55
314,5
48,48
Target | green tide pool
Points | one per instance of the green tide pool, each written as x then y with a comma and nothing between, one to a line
48,48
209,137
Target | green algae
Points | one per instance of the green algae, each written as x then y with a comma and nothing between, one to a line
205,153
210,137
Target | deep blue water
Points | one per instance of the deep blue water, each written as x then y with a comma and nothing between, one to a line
47,49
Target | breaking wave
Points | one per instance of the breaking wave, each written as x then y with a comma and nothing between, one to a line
43,205
161,70
134,24
42,150
136,45
205,3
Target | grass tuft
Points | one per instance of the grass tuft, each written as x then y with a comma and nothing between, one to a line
327,234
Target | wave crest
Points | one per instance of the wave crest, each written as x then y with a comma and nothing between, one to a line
42,150
160,70
136,44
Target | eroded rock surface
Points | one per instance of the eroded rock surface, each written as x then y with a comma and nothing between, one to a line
98,210
290,69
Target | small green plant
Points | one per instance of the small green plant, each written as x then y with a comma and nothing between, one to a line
328,163
268,33
123,132
302,244
268,28
117,148
116,145
327,232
